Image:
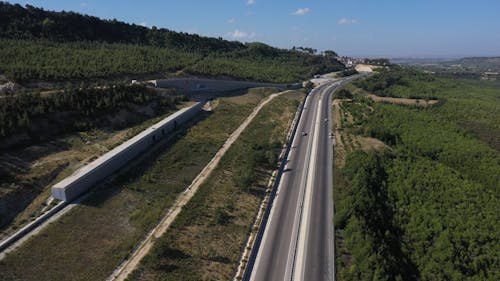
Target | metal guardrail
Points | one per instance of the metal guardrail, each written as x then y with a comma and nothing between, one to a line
258,238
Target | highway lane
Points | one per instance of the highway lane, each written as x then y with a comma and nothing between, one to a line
271,262
277,257
319,262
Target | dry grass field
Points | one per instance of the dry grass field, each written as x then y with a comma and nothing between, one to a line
93,238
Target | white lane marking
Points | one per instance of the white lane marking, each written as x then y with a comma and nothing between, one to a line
264,239
304,230
272,218
299,249
298,213
292,252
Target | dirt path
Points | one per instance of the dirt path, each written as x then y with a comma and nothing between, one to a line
404,101
143,249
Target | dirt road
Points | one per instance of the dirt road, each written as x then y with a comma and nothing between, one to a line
404,101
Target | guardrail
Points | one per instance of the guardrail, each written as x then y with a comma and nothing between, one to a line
258,238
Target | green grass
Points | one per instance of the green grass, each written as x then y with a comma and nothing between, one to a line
206,240
91,240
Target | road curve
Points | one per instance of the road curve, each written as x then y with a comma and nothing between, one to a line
298,240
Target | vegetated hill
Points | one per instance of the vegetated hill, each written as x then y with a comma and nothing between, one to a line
475,63
47,45
31,118
43,137
472,67
17,22
427,209
479,63
416,61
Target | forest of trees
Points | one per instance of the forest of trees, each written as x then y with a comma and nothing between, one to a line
18,22
74,109
412,218
390,83
367,216
24,60
348,72
44,45
472,104
427,209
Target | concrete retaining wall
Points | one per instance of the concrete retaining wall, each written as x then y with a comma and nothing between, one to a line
210,85
75,185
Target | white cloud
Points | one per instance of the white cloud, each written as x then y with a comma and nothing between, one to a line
347,21
239,34
231,20
250,2
301,11
145,24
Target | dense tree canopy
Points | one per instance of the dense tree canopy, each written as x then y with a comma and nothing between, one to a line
45,45
74,109
17,22
427,209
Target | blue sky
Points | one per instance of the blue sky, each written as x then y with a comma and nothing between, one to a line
391,28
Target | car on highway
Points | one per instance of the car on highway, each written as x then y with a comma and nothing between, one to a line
304,133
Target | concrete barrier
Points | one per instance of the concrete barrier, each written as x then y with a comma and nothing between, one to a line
83,179
212,85
4,244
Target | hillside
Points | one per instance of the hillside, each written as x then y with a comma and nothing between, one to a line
57,46
17,22
475,63
470,67
424,204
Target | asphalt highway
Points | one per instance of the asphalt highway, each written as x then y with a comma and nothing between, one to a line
298,238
